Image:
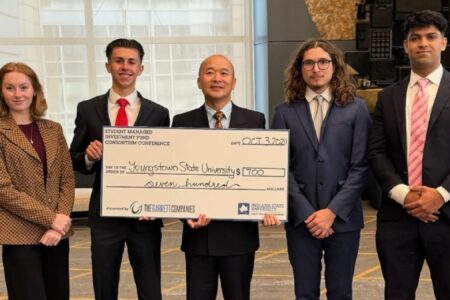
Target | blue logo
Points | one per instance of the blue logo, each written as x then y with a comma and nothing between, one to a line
243,208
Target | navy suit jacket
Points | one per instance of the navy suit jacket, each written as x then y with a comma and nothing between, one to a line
92,115
221,238
330,174
387,149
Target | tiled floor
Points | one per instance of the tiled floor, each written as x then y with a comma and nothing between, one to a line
272,277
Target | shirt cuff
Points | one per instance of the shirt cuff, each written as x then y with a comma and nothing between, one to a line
89,163
398,193
444,193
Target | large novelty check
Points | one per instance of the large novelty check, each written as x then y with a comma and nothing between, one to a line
181,173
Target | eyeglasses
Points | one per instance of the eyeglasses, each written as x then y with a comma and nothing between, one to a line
323,64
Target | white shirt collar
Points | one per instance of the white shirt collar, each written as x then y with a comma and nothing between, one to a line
434,77
226,110
326,95
113,97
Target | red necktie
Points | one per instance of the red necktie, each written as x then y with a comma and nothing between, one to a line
122,119
419,126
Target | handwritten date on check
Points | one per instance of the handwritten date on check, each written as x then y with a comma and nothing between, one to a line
228,174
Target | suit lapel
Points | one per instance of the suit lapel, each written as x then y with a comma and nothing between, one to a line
101,108
442,97
144,112
399,110
13,133
237,120
200,119
49,136
331,109
304,115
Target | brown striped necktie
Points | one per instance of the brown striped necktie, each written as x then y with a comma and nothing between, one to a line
218,116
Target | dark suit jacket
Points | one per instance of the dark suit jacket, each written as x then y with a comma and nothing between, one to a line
221,238
330,174
92,115
387,149
28,207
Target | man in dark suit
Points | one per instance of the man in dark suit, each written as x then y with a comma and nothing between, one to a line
328,169
409,152
122,105
222,249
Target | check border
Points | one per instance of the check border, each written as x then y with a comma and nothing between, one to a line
261,142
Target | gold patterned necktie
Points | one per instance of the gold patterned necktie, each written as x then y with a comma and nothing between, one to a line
218,116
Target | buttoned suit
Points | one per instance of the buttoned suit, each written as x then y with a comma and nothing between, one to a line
221,238
327,174
29,202
143,238
402,240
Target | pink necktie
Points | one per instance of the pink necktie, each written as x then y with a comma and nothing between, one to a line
121,118
419,125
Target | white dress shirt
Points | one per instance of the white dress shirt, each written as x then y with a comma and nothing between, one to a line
226,110
132,109
399,192
313,105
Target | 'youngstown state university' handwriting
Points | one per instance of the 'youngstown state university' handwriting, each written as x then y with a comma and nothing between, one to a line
183,168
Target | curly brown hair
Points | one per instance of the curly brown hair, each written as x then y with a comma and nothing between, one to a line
342,87
39,104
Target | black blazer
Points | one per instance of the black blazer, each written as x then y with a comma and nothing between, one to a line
387,146
221,238
92,115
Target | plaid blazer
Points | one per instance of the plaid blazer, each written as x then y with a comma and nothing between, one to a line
27,206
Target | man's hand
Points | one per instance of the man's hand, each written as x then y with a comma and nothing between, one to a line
202,221
94,150
319,223
413,195
61,224
51,238
270,220
426,207
146,219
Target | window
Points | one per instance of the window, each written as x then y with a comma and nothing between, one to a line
64,42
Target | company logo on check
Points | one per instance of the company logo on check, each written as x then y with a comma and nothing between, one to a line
243,208
136,208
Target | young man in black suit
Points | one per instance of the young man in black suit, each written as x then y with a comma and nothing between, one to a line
122,105
222,249
409,152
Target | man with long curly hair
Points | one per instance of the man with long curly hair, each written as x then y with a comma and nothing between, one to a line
328,169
